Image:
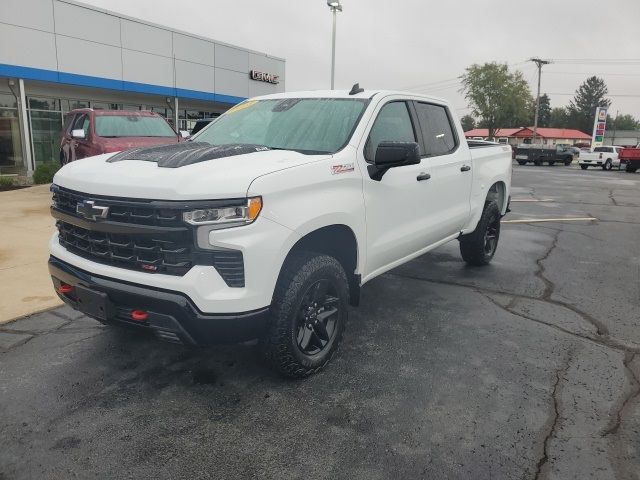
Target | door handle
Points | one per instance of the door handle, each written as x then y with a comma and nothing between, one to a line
465,168
423,176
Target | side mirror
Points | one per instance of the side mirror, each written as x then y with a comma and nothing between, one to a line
393,154
184,134
79,133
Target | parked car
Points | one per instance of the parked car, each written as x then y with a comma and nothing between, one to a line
537,154
604,157
87,132
630,158
270,221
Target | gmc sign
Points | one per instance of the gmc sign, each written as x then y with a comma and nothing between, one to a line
264,77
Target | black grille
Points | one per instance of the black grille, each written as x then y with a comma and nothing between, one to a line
139,212
155,239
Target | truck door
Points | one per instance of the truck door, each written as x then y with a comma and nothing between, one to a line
82,147
396,206
449,192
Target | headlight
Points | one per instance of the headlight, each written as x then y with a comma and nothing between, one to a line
225,216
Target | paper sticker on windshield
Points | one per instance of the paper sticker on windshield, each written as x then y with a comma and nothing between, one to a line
336,169
242,106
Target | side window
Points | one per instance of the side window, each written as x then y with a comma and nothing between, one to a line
85,126
82,123
438,133
393,124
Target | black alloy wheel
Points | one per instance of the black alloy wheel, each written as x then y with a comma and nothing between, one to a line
317,317
491,237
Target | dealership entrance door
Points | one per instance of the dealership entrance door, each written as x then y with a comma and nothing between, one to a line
11,160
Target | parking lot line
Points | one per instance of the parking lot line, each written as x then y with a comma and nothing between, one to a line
532,200
540,220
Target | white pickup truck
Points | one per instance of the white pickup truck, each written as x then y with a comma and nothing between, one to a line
269,222
604,157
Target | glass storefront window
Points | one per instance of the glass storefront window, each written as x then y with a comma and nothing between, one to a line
7,100
131,107
41,103
45,133
11,160
106,106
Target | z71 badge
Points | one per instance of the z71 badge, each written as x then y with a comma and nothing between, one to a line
347,167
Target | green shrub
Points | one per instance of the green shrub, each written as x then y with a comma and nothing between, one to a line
44,172
6,181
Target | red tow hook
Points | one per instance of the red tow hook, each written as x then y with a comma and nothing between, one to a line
139,315
65,289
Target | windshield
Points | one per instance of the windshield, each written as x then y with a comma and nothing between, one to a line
132,126
307,125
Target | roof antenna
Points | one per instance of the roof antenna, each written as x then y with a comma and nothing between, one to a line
356,89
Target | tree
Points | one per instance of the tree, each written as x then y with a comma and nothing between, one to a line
622,122
559,118
497,97
589,96
544,113
468,123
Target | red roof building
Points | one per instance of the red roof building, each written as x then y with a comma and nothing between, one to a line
549,136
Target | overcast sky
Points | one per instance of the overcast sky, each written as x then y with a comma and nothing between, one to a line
423,45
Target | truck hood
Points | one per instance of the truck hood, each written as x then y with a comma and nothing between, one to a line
171,174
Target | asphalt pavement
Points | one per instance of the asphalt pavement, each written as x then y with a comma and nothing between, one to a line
528,368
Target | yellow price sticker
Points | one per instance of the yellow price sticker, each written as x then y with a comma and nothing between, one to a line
242,106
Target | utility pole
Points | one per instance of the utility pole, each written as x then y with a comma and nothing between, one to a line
539,62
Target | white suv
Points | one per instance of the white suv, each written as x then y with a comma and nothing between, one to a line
268,223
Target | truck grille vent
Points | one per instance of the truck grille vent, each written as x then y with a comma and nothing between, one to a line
168,250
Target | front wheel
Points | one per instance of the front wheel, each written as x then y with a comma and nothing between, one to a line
584,167
308,314
522,162
479,247
631,169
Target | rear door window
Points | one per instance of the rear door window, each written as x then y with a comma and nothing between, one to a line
437,130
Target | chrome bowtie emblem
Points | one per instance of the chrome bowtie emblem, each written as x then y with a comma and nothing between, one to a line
89,210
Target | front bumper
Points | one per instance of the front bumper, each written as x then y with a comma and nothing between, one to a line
172,315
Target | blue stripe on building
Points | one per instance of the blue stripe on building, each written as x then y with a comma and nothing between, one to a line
29,73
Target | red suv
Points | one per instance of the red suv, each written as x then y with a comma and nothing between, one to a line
87,132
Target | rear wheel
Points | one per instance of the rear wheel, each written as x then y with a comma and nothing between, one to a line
607,165
522,162
584,167
308,314
479,247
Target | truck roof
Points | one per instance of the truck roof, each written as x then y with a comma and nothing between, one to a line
345,94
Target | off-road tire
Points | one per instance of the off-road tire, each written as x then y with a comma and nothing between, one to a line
584,167
280,343
472,245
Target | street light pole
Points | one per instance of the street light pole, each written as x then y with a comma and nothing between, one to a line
335,7
539,63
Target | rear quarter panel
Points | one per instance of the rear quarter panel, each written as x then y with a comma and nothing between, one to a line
491,165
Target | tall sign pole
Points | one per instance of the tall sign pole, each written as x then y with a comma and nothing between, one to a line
599,126
539,62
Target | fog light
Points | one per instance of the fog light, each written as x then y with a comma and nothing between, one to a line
65,289
139,315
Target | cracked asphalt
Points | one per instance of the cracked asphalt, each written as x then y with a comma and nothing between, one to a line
526,369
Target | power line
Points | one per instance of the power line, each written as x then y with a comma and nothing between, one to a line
629,95
597,73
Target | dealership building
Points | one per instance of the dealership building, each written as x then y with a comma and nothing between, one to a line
58,55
